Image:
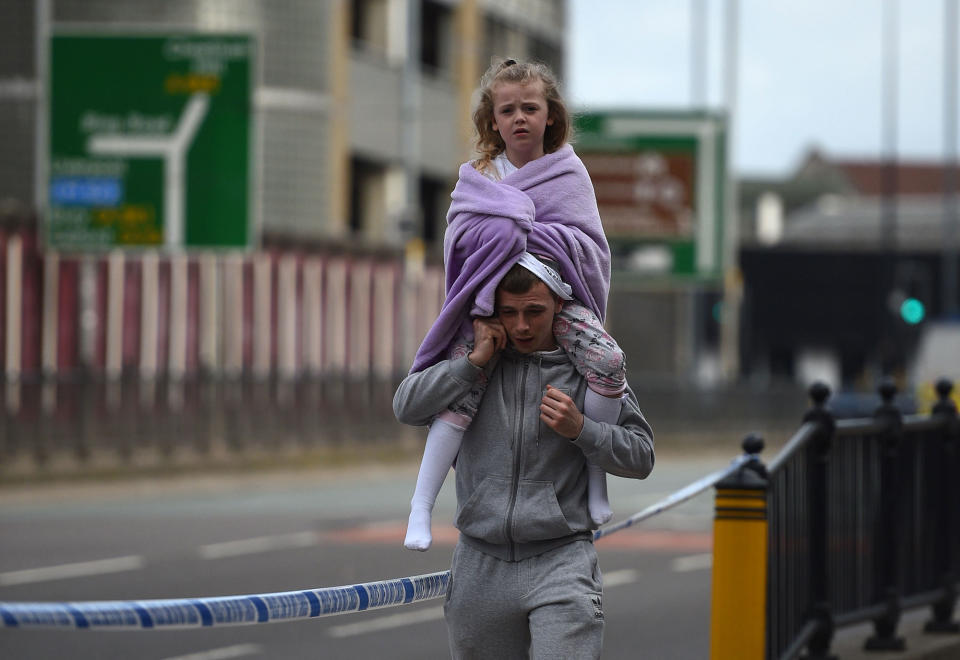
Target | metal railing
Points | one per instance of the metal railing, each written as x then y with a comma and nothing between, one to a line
864,523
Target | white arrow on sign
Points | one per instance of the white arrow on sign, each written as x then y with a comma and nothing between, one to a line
173,149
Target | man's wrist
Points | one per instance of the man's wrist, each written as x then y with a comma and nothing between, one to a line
583,428
465,370
474,361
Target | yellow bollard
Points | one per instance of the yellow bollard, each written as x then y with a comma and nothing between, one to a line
738,607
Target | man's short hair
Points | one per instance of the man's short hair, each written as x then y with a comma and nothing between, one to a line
518,280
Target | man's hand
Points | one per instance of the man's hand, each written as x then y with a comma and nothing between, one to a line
489,338
559,412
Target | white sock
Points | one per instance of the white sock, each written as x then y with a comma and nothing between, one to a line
599,408
443,443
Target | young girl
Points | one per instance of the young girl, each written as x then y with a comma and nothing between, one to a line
528,192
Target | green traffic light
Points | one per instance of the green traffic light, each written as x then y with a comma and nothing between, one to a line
912,311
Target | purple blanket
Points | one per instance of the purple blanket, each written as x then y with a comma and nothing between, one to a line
547,207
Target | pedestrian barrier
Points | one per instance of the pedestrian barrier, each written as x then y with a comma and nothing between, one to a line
286,606
854,521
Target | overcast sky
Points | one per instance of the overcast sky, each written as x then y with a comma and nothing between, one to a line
810,72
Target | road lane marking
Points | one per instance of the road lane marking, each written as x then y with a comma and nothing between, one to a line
259,544
691,563
387,622
621,577
222,653
77,569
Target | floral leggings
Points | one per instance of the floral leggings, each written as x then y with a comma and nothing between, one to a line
580,334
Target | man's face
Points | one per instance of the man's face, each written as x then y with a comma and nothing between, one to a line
528,318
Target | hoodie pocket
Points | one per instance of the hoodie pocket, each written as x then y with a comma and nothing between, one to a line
537,515
483,515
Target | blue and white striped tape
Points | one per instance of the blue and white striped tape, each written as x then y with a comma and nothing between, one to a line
227,610
284,606
679,497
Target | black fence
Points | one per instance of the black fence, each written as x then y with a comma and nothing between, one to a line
78,426
864,523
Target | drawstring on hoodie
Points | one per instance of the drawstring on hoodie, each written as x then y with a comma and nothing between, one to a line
539,391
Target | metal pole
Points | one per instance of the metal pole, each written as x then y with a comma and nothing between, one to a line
888,207
729,343
738,619
818,458
698,53
948,276
947,520
410,125
886,555
41,72
889,123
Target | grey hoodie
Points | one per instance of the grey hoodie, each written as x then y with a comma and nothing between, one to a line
521,487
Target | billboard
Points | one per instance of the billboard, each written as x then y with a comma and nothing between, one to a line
660,182
149,141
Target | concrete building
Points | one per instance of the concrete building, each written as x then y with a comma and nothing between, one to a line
360,131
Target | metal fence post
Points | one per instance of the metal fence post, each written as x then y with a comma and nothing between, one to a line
818,456
947,513
887,578
738,612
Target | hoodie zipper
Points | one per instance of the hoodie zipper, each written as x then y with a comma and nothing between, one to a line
517,450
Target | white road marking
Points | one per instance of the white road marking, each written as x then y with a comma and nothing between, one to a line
692,563
78,569
621,577
386,622
222,653
259,544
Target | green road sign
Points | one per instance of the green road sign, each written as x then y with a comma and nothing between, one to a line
660,181
150,141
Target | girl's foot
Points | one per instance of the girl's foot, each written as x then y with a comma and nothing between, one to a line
418,530
600,511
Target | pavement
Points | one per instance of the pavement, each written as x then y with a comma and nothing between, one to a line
848,642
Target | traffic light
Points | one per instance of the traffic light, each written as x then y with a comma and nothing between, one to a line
912,311
911,294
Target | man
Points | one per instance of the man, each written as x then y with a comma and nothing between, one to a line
525,581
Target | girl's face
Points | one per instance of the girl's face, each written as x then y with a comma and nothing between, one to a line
520,115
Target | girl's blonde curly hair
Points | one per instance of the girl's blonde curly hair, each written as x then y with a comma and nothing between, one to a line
489,143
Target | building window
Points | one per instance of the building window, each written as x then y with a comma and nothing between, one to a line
436,36
367,201
435,201
546,52
496,41
368,24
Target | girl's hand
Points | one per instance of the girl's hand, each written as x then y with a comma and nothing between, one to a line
559,412
489,338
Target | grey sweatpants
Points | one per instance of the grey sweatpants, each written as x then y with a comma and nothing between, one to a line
548,606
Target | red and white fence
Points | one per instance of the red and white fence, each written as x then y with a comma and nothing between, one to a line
284,312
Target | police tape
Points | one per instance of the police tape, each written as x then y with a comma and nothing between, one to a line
284,606
679,497
227,610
